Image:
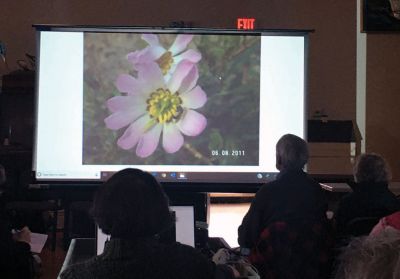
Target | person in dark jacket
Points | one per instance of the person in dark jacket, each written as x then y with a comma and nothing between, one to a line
132,207
371,197
286,227
293,197
16,260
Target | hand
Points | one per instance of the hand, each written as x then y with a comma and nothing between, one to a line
222,256
23,235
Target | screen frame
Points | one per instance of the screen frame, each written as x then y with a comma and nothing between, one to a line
190,186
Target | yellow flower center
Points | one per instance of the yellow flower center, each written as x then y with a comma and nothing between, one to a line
163,106
165,62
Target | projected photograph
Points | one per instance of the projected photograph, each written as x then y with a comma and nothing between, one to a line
171,99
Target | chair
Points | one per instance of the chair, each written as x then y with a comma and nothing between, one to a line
77,220
293,251
361,226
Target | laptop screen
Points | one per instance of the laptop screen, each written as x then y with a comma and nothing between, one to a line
184,228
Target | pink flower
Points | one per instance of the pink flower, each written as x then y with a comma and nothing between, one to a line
167,59
151,106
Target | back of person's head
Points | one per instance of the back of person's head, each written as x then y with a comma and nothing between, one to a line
371,168
371,257
131,204
291,153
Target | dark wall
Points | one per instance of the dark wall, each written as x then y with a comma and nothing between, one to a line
332,63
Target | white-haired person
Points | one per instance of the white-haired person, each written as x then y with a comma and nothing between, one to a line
374,256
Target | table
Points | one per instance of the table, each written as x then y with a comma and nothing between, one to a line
345,188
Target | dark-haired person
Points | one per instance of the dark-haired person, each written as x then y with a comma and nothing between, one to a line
286,225
371,197
132,207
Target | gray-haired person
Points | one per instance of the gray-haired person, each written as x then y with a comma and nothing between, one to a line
284,216
371,197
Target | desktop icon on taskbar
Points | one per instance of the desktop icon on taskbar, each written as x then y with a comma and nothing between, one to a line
182,175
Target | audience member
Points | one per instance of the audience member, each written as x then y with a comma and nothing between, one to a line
132,207
372,257
370,198
286,226
16,260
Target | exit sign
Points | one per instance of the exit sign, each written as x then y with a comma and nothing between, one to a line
246,23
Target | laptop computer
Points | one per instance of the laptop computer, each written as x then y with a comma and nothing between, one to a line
184,228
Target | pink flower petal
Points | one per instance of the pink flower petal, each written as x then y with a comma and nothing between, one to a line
146,55
125,103
138,56
133,133
120,119
189,81
127,84
194,99
192,123
190,55
180,43
152,77
181,71
148,142
155,52
151,39
172,138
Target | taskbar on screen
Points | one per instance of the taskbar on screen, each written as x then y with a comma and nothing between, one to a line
206,177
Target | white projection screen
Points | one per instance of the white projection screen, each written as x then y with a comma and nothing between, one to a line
187,105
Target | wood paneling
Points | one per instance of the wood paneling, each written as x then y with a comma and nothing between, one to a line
383,98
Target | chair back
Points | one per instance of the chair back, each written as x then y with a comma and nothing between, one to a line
361,226
294,251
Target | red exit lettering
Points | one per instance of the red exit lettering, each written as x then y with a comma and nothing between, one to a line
246,23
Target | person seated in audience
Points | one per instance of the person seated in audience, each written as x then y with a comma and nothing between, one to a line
286,227
133,208
16,260
393,220
371,198
373,256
